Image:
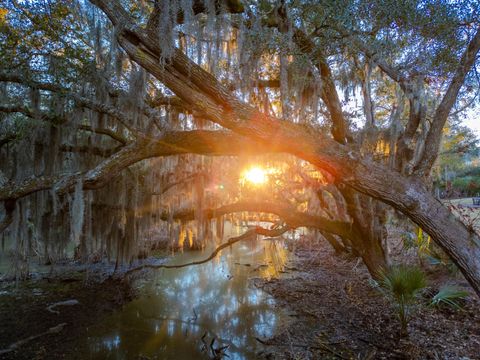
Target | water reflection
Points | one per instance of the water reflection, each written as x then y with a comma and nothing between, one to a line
182,310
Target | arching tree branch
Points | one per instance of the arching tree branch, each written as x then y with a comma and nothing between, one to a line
79,100
292,217
203,142
103,131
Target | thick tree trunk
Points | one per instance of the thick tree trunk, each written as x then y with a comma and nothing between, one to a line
368,230
337,246
369,246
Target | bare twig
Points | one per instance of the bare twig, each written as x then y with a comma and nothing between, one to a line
17,344
250,234
62,303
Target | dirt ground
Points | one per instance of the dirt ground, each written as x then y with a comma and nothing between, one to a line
336,313
24,314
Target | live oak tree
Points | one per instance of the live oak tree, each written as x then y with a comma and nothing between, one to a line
453,173
111,90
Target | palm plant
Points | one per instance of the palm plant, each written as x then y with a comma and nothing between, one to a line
401,284
449,295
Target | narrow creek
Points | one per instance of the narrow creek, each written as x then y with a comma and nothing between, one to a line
180,311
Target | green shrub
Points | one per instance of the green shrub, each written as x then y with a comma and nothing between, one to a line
427,250
402,284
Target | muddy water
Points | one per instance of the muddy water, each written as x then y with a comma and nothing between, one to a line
180,311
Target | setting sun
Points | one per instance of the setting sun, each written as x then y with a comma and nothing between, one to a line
255,175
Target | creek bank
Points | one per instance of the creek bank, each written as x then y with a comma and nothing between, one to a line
44,316
336,313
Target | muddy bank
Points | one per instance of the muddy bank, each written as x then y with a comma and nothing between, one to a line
42,333
335,313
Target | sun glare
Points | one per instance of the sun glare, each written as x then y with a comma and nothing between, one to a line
255,175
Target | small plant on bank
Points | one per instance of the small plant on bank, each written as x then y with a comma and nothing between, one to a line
427,250
450,296
402,284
